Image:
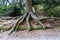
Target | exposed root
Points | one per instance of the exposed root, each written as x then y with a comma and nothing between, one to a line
41,24
19,20
19,23
36,18
27,21
15,26
33,15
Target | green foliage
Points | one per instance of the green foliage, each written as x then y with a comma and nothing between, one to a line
6,7
54,11
51,6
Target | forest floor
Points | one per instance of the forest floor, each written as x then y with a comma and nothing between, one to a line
48,34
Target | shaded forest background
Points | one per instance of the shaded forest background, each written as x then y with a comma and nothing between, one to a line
40,7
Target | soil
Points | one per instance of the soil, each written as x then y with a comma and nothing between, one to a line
48,34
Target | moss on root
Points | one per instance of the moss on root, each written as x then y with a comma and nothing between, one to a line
22,27
34,27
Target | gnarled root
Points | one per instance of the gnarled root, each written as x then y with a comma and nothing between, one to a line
28,24
27,16
36,18
15,26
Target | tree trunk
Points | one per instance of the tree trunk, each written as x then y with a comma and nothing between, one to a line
26,17
28,5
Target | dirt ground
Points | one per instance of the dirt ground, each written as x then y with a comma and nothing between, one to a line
48,34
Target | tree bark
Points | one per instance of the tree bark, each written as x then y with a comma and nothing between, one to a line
28,5
27,18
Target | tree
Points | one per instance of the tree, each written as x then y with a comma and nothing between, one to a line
29,13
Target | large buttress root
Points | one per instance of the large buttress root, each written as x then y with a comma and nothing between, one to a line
28,24
27,17
15,26
20,22
36,18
